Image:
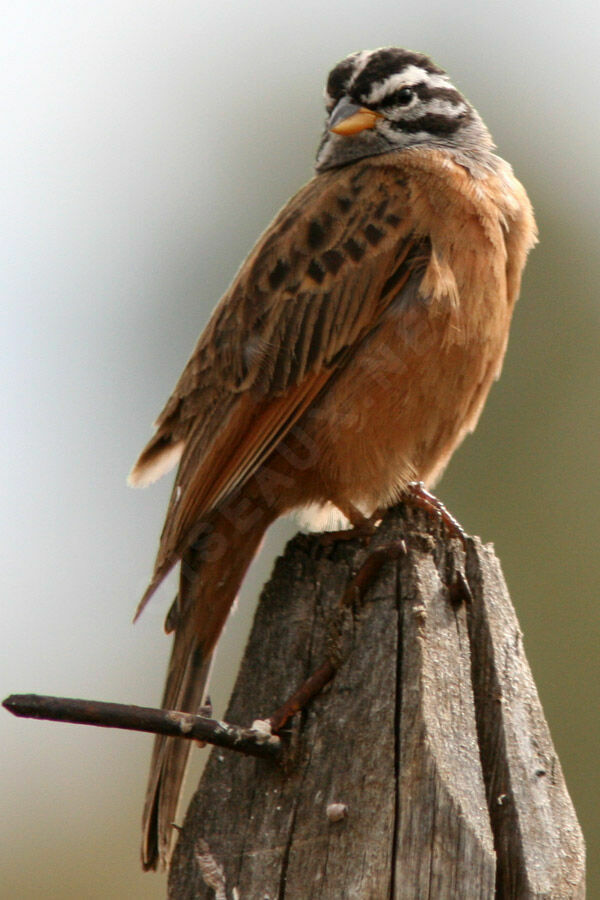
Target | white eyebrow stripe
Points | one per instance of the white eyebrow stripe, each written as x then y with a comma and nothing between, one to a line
434,106
407,77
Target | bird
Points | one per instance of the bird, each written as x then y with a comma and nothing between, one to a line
352,353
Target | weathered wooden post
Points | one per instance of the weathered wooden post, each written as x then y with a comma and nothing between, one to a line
424,770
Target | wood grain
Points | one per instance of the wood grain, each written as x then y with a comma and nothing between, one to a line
431,734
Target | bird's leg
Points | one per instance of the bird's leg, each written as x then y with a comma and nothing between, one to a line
362,526
417,494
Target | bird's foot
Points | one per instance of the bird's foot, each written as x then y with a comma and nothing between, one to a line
362,527
419,496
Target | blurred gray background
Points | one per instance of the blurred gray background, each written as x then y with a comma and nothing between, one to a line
145,145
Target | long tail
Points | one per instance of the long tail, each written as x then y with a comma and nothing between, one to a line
211,574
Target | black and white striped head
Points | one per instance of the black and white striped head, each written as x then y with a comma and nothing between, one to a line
392,99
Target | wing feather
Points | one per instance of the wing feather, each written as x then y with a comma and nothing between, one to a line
315,285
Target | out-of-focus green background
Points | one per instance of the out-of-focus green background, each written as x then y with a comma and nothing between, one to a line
144,147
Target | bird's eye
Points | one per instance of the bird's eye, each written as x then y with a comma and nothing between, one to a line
404,96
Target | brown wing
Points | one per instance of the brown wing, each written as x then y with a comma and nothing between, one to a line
316,283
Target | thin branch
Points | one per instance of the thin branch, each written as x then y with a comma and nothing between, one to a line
299,699
251,741
140,718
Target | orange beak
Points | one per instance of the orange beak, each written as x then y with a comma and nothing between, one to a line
348,118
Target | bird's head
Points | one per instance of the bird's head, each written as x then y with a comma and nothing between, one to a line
392,99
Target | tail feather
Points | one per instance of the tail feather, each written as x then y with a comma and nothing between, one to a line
160,455
187,678
211,574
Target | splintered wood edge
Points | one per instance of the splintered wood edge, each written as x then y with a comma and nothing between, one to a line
540,846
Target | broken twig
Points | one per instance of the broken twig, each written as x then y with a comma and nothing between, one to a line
141,718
